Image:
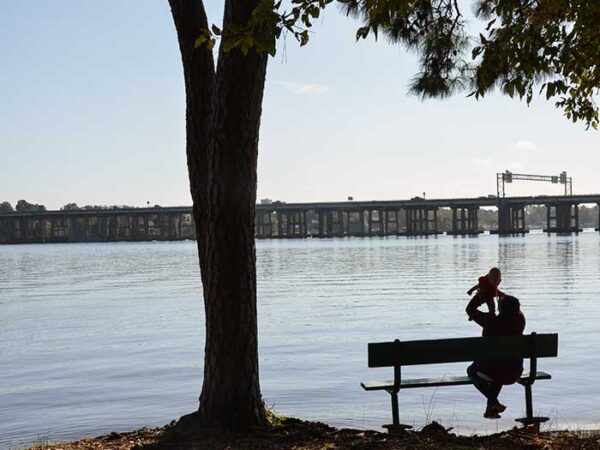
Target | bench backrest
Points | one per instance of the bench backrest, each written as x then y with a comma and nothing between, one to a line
410,353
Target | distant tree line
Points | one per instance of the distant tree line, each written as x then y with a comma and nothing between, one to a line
75,207
21,206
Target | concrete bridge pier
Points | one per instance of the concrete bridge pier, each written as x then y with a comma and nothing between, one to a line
134,228
383,219
74,230
329,222
272,224
324,219
178,225
263,231
361,222
164,230
103,228
284,219
562,218
598,229
25,229
41,230
175,226
296,225
303,223
378,220
421,221
112,226
391,222
337,225
18,231
321,220
465,221
7,231
352,223
372,219
375,222
290,225
369,230
511,219
124,227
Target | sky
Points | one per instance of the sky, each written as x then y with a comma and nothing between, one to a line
92,111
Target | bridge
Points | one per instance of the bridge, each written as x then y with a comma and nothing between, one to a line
414,217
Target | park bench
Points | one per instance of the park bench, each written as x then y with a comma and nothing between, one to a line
410,353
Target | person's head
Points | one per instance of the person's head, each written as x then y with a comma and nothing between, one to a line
495,276
509,306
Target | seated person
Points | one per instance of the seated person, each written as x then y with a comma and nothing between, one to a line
489,376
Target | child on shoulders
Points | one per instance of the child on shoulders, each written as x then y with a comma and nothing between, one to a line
487,288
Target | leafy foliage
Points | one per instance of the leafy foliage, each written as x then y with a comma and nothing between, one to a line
550,45
6,207
434,29
70,207
25,206
555,43
265,27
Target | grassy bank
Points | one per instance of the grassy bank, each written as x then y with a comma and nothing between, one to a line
296,434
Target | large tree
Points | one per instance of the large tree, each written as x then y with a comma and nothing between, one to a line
526,44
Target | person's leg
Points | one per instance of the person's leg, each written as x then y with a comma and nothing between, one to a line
493,392
480,384
490,390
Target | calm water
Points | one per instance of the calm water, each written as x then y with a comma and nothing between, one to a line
106,337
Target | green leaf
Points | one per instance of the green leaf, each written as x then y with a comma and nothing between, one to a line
199,41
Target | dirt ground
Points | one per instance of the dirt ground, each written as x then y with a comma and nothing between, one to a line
296,434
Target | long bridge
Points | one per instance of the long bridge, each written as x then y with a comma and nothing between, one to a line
414,217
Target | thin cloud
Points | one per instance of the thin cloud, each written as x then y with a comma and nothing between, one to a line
526,146
485,162
305,88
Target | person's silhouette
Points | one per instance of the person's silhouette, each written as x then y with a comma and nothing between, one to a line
489,376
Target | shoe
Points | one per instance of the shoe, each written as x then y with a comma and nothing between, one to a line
491,413
499,407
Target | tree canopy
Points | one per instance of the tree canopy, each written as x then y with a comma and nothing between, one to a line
25,206
6,207
526,47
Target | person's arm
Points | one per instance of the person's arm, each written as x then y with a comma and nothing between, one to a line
474,314
491,306
470,291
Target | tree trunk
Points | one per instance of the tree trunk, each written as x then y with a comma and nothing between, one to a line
223,119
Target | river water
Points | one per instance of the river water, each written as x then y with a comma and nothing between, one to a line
97,338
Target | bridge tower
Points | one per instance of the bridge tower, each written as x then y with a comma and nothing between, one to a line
562,217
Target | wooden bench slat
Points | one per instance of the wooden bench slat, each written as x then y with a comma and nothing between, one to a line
408,353
437,381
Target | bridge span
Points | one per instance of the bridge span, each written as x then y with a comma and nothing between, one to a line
415,217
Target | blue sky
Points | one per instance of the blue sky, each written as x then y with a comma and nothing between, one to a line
92,111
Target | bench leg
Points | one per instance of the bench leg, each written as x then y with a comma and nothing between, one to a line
529,419
395,413
528,402
396,426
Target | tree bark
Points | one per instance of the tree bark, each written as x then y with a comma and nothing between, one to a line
223,119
